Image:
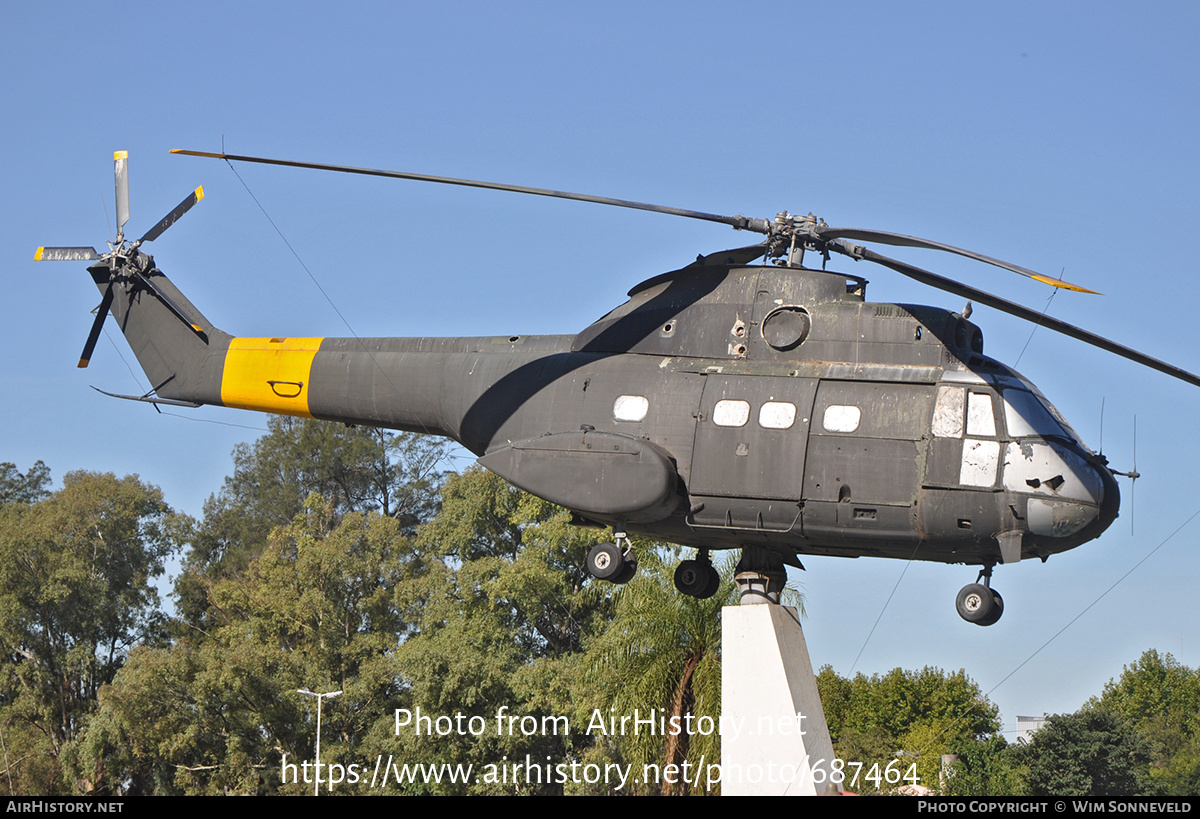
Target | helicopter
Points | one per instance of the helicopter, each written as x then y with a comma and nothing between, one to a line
743,401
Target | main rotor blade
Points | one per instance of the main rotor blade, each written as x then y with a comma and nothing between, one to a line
737,222
1020,311
883,237
65,254
121,172
173,217
101,314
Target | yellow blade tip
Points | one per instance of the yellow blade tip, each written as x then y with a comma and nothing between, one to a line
120,155
199,193
37,257
186,152
83,362
1065,285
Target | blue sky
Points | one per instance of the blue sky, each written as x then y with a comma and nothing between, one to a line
1053,136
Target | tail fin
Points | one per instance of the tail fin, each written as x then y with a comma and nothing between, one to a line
179,349
171,339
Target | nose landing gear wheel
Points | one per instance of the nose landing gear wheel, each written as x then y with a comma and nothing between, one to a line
978,604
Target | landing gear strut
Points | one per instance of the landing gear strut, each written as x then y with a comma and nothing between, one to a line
614,562
978,603
697,578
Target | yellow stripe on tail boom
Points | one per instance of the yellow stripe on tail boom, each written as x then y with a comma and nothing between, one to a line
269,374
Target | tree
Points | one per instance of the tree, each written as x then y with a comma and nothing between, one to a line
923,713
1089,753
75,596
985,768
397,475
1160,698
29,488
218,712
505,606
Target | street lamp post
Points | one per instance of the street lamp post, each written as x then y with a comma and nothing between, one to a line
331,694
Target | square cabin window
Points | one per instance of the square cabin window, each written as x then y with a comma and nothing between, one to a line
731,413
841,418
777,415
630,407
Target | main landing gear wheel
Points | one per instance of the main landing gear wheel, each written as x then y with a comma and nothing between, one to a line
608,561
697,578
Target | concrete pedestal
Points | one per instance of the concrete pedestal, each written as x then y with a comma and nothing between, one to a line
774,740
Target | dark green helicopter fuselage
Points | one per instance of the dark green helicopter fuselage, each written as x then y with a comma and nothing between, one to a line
722,406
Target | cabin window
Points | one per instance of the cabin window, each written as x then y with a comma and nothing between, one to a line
841,418
980,418
730,413
631,407
777,415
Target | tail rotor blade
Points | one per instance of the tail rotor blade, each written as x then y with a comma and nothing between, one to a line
66,254
121,163
101,314
174,216
1133,479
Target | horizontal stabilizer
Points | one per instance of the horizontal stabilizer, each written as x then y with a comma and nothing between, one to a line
149,399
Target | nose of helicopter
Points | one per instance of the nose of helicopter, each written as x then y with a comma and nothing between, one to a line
1074,505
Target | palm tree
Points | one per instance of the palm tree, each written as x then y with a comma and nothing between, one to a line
661,654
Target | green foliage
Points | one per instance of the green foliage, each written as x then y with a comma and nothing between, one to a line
505,606
1160,698
1089,753
336,559
29,488
985,768
356,469
923,714
397,475
75,596
216,712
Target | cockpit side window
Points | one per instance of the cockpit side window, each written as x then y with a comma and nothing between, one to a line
948,412
981,420
1026,417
